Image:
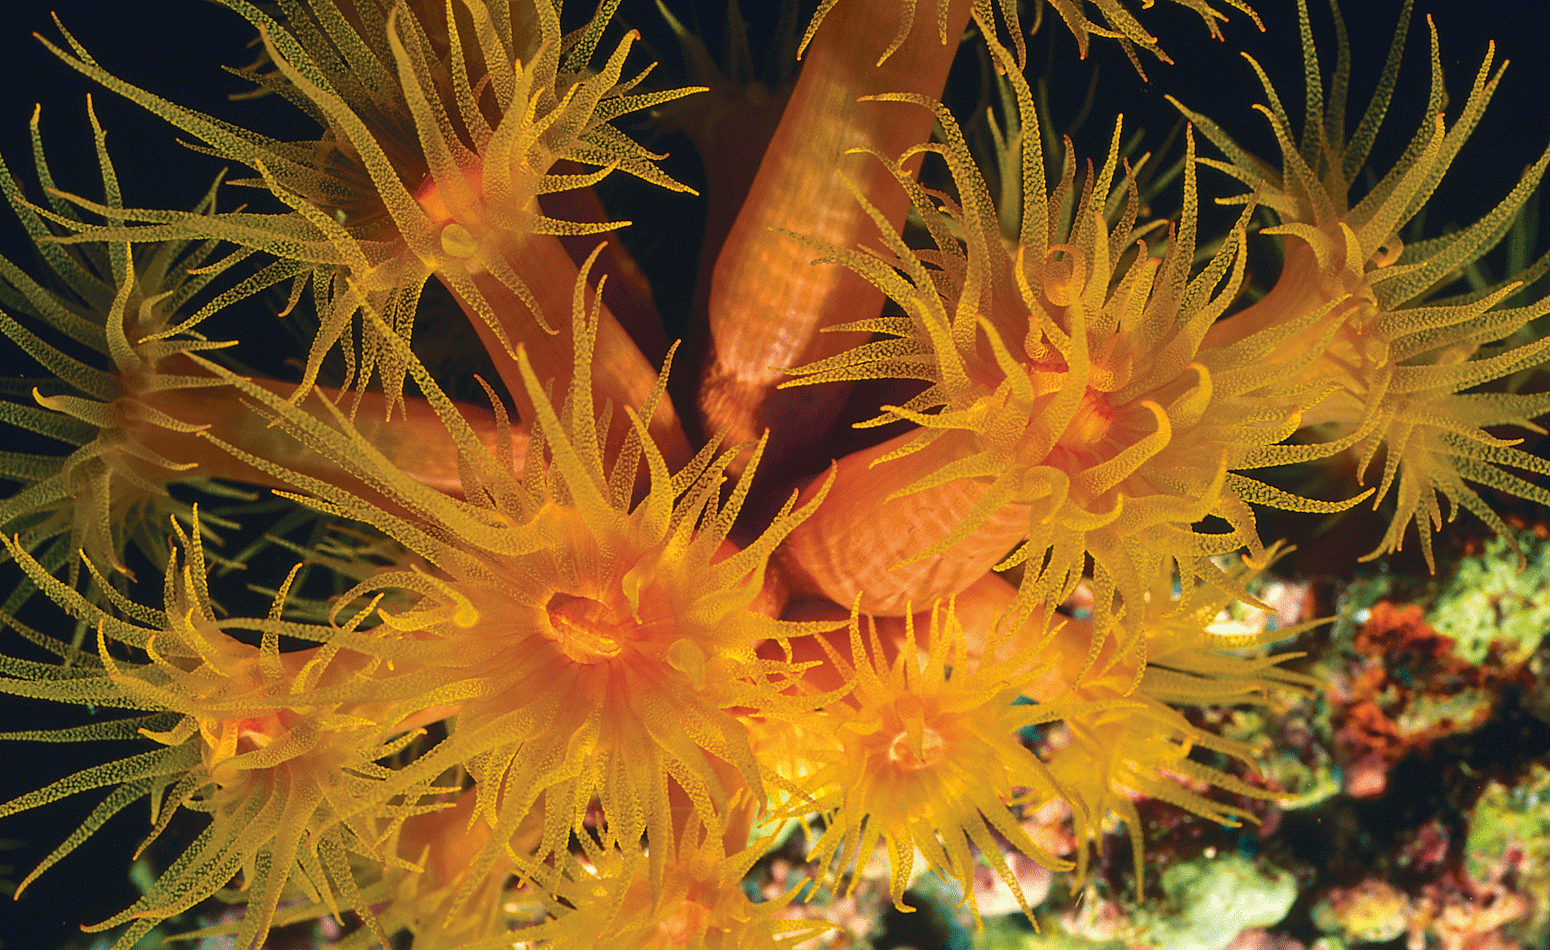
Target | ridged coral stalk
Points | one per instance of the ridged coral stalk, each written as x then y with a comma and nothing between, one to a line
620,374
413,438
857,544
767,305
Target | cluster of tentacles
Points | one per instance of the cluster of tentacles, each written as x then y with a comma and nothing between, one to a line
559,663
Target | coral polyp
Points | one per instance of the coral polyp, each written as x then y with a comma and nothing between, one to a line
1403,355
924,756
1069,386
590,643
234,736
491,616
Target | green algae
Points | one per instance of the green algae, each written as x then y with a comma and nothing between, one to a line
1488,600
1510,817
1461,711
1209,901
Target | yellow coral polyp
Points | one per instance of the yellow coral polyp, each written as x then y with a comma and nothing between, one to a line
1116,433
427,168
923,753
1122,738
1391,347
593,644
604,655
120,417
260,741
608,900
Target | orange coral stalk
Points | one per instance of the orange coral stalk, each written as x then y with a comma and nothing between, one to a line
629,295
619,372
767,305
412,437
863,541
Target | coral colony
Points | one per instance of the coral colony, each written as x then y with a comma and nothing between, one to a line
579,628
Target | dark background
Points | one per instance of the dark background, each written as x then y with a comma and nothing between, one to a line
177,48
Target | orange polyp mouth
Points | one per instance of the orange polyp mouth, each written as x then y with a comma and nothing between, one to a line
431,197
585,629
1387,253
692,919
1065,274
1090,424
904,753
226,739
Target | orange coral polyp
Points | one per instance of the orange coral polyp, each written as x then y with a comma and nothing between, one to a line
924,754
595,645
1084,437
612,901
1399,358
